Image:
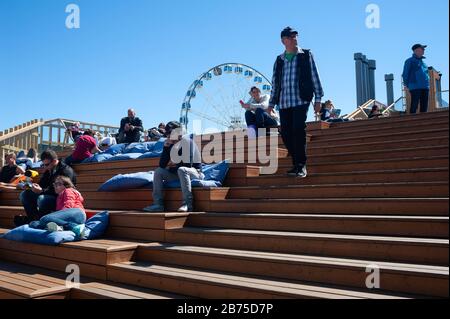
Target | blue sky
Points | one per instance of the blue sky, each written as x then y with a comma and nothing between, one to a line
145,53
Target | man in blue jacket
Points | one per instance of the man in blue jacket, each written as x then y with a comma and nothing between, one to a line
417,80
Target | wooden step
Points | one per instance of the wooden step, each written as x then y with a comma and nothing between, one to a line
96,290
222,285
364,165
394,277
372,190
355,206
411,119
350,177
390,249
390,126
383,145
405,226
91,256
426,151
23,282
378,137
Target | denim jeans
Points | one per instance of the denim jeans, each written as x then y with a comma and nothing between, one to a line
419,96
184,175
293,132
36,205
260,118
68,219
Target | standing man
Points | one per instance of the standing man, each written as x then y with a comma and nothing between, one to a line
295,82
130,128
417,80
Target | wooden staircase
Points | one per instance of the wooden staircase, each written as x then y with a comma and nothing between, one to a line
376,196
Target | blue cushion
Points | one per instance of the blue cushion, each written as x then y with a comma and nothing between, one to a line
96,226
116,149
151,154
124,157
216,172
39,236
139,147
127,181
98,158
37,165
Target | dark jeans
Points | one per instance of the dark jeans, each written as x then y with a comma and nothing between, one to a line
67,219
260,118
419,96
293,132
70,161
37,205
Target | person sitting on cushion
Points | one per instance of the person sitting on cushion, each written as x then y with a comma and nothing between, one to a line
258,113
85,147
70,214
41,198
185,167
10,171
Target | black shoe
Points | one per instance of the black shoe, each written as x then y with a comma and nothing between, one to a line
294,171
21,220
298,171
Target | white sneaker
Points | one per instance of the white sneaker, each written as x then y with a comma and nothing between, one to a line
52,227
185,209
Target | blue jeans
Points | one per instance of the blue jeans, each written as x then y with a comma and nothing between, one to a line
37,205
68,219
260,118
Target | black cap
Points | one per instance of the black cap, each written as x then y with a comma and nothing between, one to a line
288,32
417,46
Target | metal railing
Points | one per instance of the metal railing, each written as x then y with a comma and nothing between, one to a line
40,135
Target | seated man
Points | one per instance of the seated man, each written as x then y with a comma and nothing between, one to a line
130,129
10,171
180,160
41,198
258,113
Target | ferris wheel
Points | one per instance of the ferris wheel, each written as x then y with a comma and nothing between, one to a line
213,98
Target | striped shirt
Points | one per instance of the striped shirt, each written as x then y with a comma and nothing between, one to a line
290,90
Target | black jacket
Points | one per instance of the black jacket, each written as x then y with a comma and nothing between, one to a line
131,136
191,159
48,178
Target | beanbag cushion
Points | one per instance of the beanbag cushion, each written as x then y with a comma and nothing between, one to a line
124,157
139,147
216,172
98,158
38,236
96,226
127,181
116,149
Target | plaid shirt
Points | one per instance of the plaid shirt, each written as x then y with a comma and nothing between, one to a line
290,92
